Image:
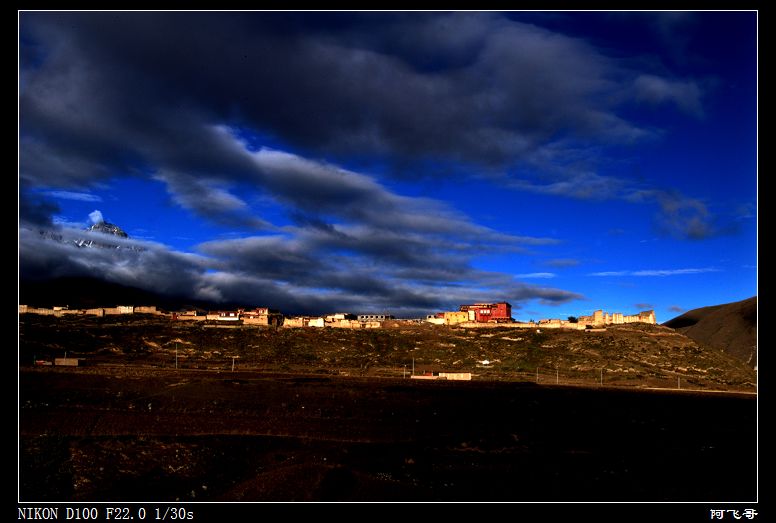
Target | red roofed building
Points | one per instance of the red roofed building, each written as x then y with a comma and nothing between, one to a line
489,312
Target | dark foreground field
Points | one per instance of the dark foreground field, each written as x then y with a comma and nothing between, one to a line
165,435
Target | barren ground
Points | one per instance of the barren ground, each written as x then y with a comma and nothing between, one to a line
156,435
324,414
634,355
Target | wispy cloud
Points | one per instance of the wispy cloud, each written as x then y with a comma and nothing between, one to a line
61,221
745,211
562,262
655,272
643,305
678,215
676,308
73,195
686,94
539,275
581,186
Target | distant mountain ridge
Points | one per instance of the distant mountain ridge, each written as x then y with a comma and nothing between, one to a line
104,228
108,228
730,327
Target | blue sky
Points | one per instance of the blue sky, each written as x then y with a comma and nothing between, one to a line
401,162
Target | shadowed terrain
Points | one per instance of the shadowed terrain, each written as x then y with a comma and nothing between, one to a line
142,434
731,328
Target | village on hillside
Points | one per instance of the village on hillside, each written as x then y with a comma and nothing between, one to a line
470,315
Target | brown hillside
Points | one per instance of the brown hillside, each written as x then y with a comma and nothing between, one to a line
731,327
638,355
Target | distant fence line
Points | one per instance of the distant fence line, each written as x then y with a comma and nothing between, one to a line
540,375
603,376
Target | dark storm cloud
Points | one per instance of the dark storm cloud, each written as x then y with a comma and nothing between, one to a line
304,300
321,259
466,86
383,250
545,295
177,97
370,219
207,199
325,189
293,274
387,273
135,93
679,216
41,164
36,210
151,266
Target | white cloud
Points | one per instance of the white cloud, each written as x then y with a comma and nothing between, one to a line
64,222
72,195
655,272
96,216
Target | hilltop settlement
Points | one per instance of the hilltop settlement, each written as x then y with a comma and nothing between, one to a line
468,315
